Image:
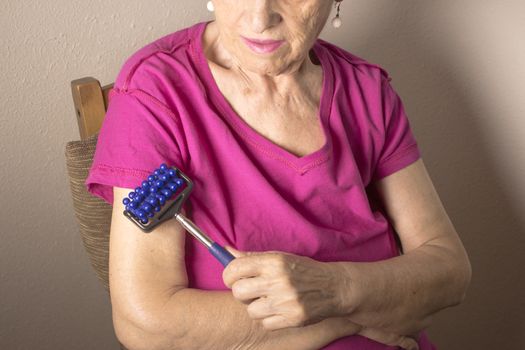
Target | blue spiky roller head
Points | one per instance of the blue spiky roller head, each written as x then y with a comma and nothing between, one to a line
153,193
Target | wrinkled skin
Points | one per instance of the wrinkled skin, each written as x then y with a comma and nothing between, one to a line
278,93
298,22
285,290
283,89
295,287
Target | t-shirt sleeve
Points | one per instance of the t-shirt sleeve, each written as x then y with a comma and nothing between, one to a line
138,134
400,148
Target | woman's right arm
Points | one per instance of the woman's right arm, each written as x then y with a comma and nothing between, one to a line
153,308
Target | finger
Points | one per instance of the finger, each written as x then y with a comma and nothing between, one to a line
275,322
381,336
243,267
236,253
259,309
408,344
387,338
249,288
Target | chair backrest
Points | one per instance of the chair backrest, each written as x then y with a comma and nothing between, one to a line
91,103
92,213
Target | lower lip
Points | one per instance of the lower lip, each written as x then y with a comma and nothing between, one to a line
263,48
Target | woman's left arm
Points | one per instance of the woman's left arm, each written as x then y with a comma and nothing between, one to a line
401,294
392,297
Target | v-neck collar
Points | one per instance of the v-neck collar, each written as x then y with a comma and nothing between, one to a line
300,164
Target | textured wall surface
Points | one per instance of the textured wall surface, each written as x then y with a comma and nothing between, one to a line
458,66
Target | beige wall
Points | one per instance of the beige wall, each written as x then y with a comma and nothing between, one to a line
458,65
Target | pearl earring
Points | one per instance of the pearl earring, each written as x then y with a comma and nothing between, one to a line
336,22
210,6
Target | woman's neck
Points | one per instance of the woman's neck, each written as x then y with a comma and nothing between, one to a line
300,77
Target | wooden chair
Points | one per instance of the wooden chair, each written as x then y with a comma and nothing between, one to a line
92,213
91,103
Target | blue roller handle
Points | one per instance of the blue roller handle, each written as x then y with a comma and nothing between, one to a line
221,254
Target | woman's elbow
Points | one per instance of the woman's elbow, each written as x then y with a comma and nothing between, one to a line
144,335
467,278
130,335
463,273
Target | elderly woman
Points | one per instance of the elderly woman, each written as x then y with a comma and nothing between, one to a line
304,161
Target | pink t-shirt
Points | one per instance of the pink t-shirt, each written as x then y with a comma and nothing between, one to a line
250,193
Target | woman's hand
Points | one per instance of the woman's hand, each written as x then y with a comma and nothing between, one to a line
281,289
284,290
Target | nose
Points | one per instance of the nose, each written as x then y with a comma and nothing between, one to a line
262,15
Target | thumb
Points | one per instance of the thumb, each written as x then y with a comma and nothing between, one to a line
236,253
409,344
